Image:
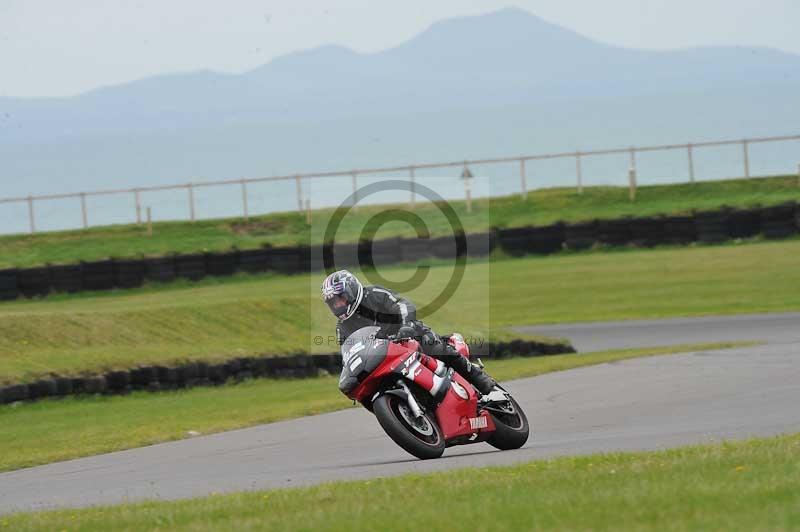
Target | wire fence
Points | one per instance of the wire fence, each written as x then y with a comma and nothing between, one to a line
304,182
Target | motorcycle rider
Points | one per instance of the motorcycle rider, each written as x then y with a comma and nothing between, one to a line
358,306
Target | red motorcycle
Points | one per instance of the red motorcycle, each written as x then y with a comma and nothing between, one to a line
421,404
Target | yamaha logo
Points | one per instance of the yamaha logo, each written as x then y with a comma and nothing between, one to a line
477,423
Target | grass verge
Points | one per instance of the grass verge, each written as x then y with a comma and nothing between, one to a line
283,229
54,430
216,320
747,485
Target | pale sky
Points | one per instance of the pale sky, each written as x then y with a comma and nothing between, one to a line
58,48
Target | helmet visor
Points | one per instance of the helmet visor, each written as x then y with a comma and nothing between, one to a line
338,304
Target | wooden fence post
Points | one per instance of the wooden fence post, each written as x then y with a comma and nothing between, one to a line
138,202
746,157
466,175
298,186
244,201
190,187
31,215
632,183
83,210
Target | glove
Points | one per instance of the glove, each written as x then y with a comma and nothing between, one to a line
405,332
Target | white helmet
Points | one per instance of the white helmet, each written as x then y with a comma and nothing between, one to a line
342,292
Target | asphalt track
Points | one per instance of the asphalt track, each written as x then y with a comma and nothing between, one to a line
600,336
646,403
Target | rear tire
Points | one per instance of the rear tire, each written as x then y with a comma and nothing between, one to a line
511,429
423,439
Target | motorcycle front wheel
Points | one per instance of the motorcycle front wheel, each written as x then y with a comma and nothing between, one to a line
421,436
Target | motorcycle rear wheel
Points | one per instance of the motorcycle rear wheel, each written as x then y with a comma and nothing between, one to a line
511,428
421,437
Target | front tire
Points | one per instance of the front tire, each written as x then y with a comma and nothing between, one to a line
511,427
421,437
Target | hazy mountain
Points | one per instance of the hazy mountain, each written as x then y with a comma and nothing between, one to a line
501,84
508,57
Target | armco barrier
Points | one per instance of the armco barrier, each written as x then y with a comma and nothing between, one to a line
345,254
42,388
192,267
63,386
364,252
129,273
298,365
412,250
160,269
8,284
547,239
648,232
581,235
797,218
253,260
304,260
679,229
385,252
66,278
481,244
711,226
33,282
98,275
448,247
744,223
286,260
516,241
222,264
15,392
317,254
778,221
614,232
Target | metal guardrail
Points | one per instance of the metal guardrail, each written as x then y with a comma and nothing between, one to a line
578,155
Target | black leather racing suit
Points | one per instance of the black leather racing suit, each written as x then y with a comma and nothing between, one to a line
390,311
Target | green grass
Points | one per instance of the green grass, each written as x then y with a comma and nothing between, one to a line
281,229
749,485
53,430
216,320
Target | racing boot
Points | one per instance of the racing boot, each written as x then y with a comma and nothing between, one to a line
474,374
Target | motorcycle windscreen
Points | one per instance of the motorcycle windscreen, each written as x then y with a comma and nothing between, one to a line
361,354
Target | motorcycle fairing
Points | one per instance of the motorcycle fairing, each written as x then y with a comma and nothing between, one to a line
361,354
454,413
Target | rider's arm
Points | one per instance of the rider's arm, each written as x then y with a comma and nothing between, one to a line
394,310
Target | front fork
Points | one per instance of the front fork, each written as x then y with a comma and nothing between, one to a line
412,401
403,392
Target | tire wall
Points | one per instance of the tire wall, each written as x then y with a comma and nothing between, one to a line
777,221
201,373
